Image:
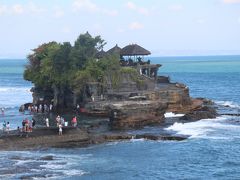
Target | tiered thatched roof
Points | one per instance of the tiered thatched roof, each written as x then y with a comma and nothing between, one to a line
114,50
134,50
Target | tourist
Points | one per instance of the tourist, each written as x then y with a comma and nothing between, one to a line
29,108
58,120
26,125
60,130
40,108
45,107
74,121
2,110
8,127
30,126
62,121
4,126
50,107
23,125
78,108
18,129
34,108
92,97
47,122
33,123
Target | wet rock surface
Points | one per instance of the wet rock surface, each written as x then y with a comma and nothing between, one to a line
41,139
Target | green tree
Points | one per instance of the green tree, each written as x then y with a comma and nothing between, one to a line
40,66
85,48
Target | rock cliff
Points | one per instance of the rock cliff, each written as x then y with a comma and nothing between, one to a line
132,114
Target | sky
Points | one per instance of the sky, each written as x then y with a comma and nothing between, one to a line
164,27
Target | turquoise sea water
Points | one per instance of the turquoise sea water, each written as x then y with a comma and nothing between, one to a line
211,152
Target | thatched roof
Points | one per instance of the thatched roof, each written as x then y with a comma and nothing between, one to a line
133,50
114,50
100,54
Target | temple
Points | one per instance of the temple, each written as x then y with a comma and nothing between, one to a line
133,56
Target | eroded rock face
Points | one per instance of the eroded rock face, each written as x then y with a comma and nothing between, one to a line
136,114
204,112
176,95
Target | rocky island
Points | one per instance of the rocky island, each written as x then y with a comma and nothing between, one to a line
120,85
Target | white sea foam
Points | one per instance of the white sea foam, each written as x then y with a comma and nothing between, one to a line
15,89
137,140
206,128
74,172
171,114
14,96
230,104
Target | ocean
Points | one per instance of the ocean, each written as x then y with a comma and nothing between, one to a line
211,151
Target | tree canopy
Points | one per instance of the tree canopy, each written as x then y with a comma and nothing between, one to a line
57,64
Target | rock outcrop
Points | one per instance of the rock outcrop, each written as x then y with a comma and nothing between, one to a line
136,114
205,112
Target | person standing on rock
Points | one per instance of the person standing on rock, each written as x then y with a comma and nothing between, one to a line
8,127
33,123
58,119
60,129
74,121
50,107
4,126
47,122
2,110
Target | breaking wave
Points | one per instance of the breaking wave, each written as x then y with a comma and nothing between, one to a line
171,114
217,128
230,104
14,96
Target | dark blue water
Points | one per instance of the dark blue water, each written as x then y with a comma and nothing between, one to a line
211,152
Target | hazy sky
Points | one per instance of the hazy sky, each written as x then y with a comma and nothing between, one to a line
165,27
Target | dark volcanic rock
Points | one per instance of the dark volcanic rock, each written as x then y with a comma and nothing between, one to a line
204,112
47,158
153,137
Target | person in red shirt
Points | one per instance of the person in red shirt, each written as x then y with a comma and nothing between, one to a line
74,121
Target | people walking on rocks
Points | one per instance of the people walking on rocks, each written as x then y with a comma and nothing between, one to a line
47,122
8,127
60,130
74,121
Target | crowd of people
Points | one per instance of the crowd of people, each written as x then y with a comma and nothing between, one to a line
28,125
60,122
40,108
